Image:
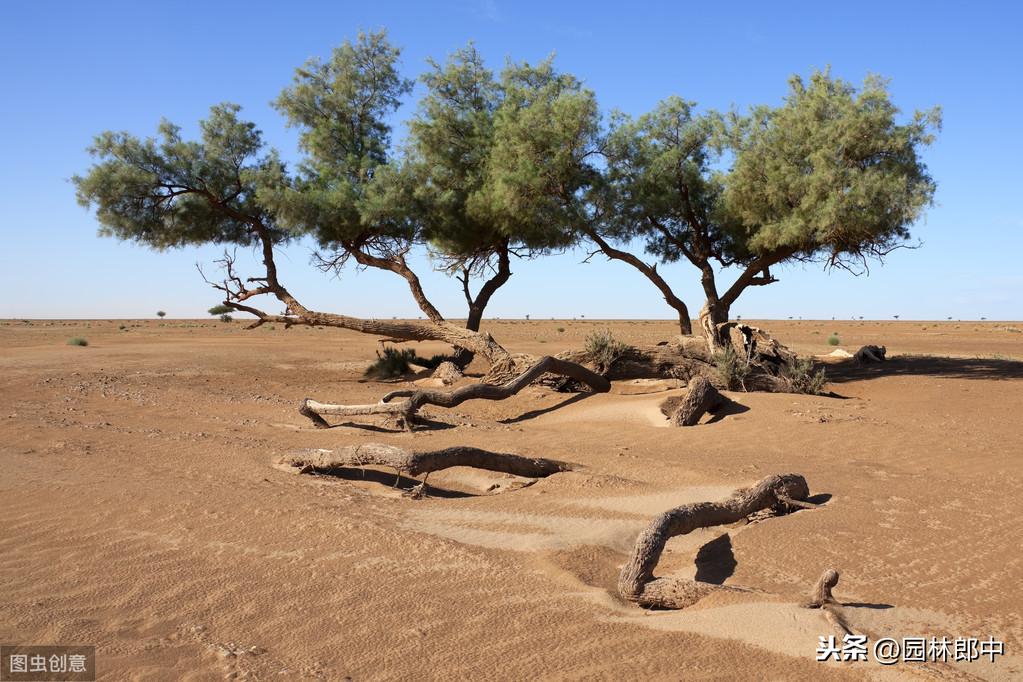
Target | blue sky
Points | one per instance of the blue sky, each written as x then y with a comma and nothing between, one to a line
70,70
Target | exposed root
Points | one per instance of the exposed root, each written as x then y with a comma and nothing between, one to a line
637,583
405,410
417,463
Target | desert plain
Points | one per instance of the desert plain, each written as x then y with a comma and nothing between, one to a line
140,512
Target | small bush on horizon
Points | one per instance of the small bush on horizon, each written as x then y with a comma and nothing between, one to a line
161,314
833,340
391,363
226,318
77,341
603,349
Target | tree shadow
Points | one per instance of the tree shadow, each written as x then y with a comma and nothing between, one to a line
391,480
866,605
715,561
422,424
726,409
819,498
533,414
923,365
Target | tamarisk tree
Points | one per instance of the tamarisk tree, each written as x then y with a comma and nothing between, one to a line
828,175
228,188
483,155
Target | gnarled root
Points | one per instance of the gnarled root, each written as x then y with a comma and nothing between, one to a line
417,463
702,398
405,410
821,594
637,583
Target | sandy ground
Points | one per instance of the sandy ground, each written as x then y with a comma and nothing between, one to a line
140,512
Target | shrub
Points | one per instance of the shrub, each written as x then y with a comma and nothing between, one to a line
77,341
561,330
804,379
833,340
391,363
603,349
226,318
161,314
733,368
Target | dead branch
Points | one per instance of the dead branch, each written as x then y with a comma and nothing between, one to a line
417,463
821,593
405,410
702,398
637,583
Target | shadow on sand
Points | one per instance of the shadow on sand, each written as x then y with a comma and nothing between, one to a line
922,365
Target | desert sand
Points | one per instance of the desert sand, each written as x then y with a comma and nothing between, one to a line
141,514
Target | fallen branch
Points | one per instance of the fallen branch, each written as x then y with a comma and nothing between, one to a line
702,398
821,594
405,410
637,583
417,463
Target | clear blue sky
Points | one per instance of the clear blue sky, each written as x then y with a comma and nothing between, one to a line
70,70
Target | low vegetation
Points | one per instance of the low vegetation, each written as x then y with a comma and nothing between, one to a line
603,349
833,340
732,368
805,377
77,341
391,363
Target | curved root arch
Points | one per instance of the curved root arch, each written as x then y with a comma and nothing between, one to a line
405,410
637,583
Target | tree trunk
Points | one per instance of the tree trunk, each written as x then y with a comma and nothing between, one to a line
702,398
712,314
636,582
418,463
405,411
650,272
478,304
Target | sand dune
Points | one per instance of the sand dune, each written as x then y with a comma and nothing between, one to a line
141,514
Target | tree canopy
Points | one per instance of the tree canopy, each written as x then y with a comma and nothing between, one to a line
519,165
830,174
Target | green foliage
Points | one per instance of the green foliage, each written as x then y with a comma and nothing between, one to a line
830,171
603,350
220,309
161,314
829,174
803,378
341,107
391,363
561,330
226,318
833,340
733,368
77,341
169,192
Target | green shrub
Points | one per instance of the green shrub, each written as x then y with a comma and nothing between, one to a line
833,340
804,379
161,314
77,341
603,349
733,368
561,330
391,363
226,318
